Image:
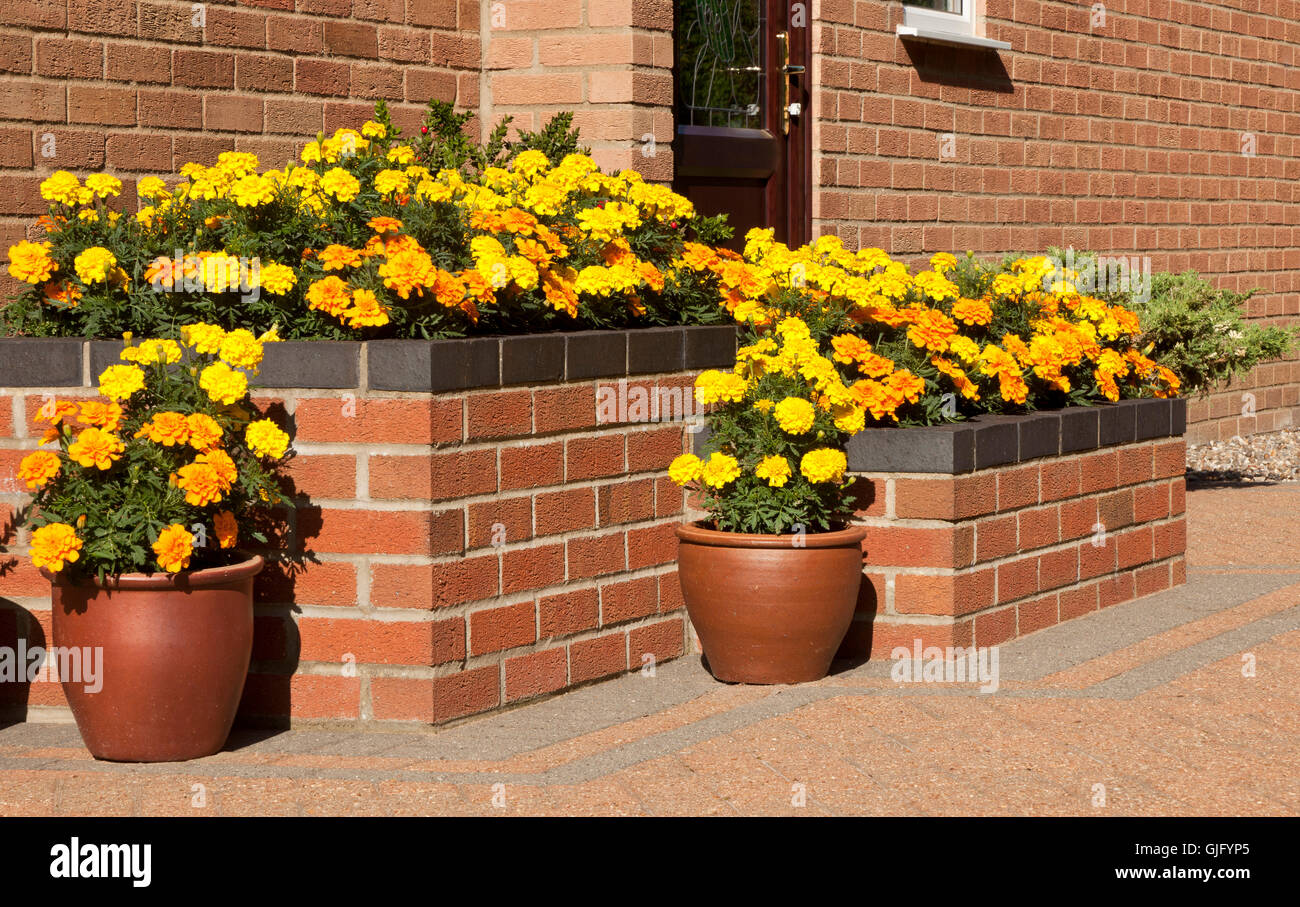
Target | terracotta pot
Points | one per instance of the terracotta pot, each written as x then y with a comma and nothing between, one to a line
768,610
175,657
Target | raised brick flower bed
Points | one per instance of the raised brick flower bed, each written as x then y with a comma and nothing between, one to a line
479,535
983,531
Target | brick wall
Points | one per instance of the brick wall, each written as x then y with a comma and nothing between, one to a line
471,547
140,87
1125,138
1019,524
608,61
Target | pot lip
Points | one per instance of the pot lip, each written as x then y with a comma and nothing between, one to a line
841,538
184,581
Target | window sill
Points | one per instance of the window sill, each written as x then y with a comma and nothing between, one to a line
938,36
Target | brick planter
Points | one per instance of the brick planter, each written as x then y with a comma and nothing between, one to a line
482,530
983,531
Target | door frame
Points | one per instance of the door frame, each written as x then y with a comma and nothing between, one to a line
693,155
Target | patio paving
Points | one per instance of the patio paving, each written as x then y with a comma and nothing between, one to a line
1141,709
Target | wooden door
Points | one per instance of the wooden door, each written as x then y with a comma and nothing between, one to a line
742,111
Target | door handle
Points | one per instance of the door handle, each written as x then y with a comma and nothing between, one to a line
787,70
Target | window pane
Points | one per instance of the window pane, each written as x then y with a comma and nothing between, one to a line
943,6
719,61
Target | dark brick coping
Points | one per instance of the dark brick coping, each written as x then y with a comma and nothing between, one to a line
430,366
988,441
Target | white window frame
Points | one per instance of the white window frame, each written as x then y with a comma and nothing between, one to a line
924,24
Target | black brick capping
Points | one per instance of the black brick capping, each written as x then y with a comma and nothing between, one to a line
428,366
988,441
40,362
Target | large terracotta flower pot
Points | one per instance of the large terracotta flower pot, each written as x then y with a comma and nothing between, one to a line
770,608
175,657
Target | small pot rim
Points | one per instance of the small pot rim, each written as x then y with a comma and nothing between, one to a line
185,580
841,538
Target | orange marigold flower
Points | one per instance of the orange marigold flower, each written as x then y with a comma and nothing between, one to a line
56,411
105,415
972,311
98,448
66,293
407,271
227,529
366,311
225,468
516,220
167,429
54,545
39,467
174,547
205,432
335,257
384,224
201,483
329,295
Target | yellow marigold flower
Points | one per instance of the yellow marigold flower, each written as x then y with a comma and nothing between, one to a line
849,418
943,262
54,545
775,469
335,257
340,184
271,336
241,349
531,162
150,187
153,351
389,181
266,439
166,428
96,447
104,185
205,432
276,279
30,262
329,295
62,187
223,384
227,529
119,382
107,416
795,415
174,547
713,386
95,264
719,470
201,483
39,467
402,154
686,468
824,465
203,338
764,406
372,130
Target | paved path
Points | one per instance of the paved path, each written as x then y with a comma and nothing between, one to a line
1142,709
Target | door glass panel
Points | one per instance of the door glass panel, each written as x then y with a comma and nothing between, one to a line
719,62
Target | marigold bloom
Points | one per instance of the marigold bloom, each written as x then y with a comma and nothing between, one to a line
54,545
223,384
823,465
340,184
39,467
720,469
174,548
227,529
205,432
201,483
203,338
335,257
795,415
686,468
96,447
30,262
775,469
95,264
266,439
62,187
241,349
166,428
329,295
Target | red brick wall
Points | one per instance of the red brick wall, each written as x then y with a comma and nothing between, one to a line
412,610
136,88
1125,139
981,558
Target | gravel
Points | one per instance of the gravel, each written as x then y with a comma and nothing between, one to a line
1270,457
